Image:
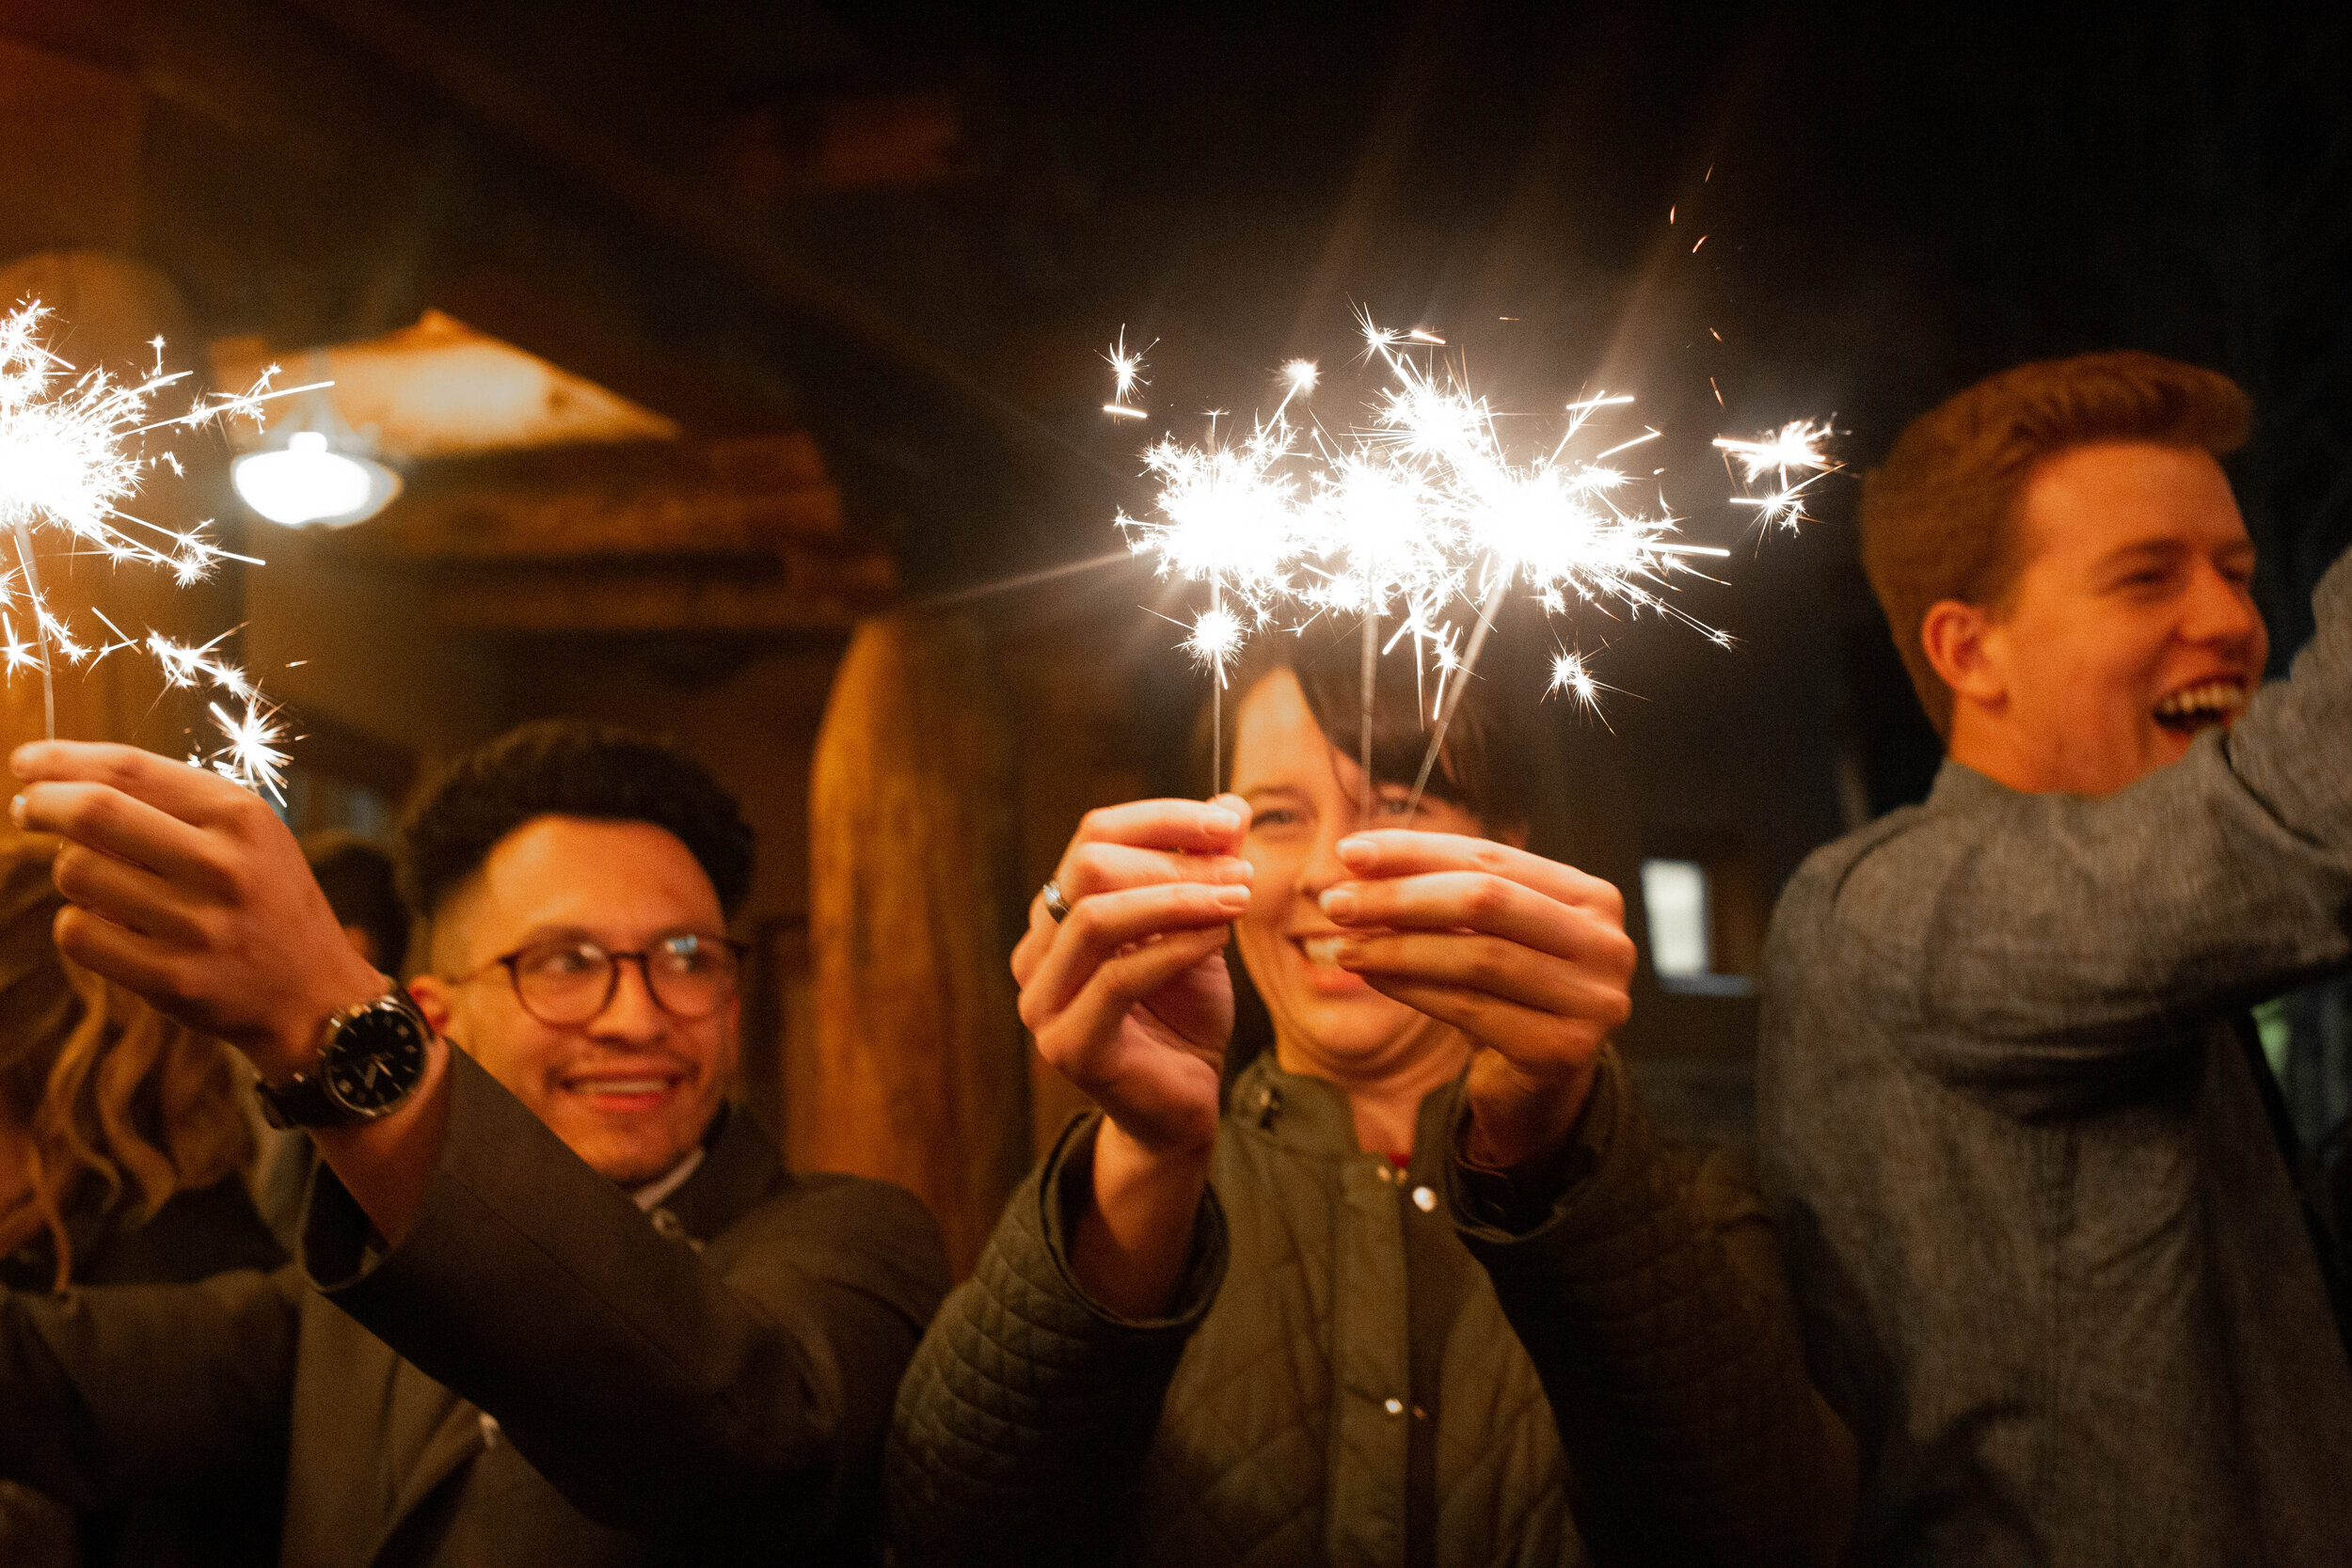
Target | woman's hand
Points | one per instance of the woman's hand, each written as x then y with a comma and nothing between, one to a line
1525,956
1129,998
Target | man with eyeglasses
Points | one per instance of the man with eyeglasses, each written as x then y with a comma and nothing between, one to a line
556,1302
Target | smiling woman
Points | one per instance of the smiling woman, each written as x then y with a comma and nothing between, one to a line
1358,1301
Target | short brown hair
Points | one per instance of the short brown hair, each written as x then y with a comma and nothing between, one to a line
1940,515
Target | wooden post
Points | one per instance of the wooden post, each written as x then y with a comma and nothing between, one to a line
918,1071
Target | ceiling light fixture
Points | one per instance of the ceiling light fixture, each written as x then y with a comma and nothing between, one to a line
321,476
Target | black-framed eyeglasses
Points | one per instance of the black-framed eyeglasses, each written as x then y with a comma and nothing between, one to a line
567,980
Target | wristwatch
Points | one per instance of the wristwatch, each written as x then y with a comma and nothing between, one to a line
371,1058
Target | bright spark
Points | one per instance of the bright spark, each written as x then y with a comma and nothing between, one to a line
1216,637
1568,675
251,755
1126,377
1794,448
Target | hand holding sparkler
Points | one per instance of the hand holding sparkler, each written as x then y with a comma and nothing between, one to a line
1526,957
185,888
1128,997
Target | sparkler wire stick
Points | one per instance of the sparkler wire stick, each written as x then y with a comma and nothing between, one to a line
1459,677
41,631
1363,735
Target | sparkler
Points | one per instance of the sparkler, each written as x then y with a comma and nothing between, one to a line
1422,508
67,465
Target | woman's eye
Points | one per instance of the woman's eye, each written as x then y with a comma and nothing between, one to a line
1396,806
1273,816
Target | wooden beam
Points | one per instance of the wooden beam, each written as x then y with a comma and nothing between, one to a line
806,591
741,499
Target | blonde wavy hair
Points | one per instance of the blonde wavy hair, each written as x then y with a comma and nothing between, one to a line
99,1087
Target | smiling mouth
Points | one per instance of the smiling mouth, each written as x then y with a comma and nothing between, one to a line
2200,706
636,1089
1322,952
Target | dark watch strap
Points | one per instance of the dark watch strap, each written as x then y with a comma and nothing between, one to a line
300,1102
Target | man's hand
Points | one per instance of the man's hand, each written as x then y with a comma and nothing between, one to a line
1130,999
185,889
1527,956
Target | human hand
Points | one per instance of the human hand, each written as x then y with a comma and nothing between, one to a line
1525,956
1128,997
187,890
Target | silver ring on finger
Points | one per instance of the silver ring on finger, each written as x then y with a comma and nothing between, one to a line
1056,904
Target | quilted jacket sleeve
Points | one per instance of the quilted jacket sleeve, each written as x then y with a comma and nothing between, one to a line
1028,1408
1651,1297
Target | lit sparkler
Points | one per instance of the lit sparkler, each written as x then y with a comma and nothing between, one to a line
1422,509
66,466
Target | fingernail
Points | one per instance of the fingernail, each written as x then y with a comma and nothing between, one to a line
1339,903
1346,954
1217,819
1233,898
16,810
1359,852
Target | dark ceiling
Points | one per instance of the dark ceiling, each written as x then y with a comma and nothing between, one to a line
913,227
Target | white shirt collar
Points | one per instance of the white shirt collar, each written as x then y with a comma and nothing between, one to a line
653,1193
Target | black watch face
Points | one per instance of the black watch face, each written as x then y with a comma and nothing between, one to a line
375,1059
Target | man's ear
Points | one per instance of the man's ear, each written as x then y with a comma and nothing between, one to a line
433,1000
1957,638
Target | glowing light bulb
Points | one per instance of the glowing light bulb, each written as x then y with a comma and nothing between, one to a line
307,482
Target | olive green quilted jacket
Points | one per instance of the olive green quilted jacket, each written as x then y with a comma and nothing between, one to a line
1360,1368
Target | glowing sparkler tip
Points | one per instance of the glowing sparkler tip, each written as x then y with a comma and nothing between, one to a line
1301,374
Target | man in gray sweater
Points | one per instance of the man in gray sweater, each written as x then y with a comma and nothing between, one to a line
2046,1236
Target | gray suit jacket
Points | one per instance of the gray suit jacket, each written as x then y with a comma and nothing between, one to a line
2050,1260
706,1384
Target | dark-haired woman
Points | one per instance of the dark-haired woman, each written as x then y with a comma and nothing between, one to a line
1425,1287
123,1142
